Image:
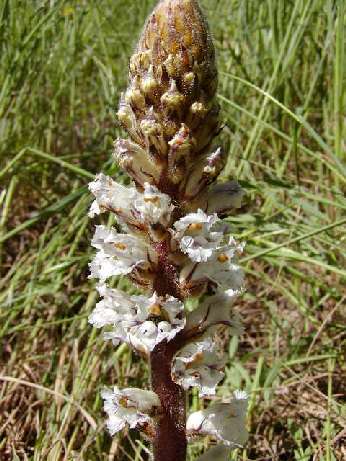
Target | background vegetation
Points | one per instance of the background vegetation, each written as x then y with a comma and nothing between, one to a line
282,89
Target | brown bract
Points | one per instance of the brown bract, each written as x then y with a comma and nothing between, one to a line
169,108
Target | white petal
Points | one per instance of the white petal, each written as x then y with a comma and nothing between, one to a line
154,206
137,162
123,306
110,196
224,421
199,365
129,406
167,332
144,336
117,336
94,209
200,235
103,315
103,267
174,309
115,424
118,254
143,400
220,270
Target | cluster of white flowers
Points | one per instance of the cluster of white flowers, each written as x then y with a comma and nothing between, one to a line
206,265
139,321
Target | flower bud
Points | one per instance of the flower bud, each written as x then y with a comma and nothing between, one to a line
173,99
173,74
137,162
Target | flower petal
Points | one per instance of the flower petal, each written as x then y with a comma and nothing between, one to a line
137,162
128,407
200,235
199,365
110,196
118,254
224,421
220,271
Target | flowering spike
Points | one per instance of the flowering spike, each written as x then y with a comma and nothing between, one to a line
172,242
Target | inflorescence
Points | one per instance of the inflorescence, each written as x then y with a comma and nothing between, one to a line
173,243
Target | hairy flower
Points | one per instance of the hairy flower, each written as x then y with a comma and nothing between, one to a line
200,235
134,209
172,242
137,320
219,272
137,162
223,421
119,254
199,364
128,407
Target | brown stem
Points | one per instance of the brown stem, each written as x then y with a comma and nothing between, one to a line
170,439
170,435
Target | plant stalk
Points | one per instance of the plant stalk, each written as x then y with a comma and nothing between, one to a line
170,442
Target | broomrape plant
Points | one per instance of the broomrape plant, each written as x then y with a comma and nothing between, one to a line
173,244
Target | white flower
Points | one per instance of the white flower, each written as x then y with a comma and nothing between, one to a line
153,206
116,306
218,453
224,421
215,310
128,407
161,319
199,235
133,208
137,320
118,254
198,365
220,270
109,195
